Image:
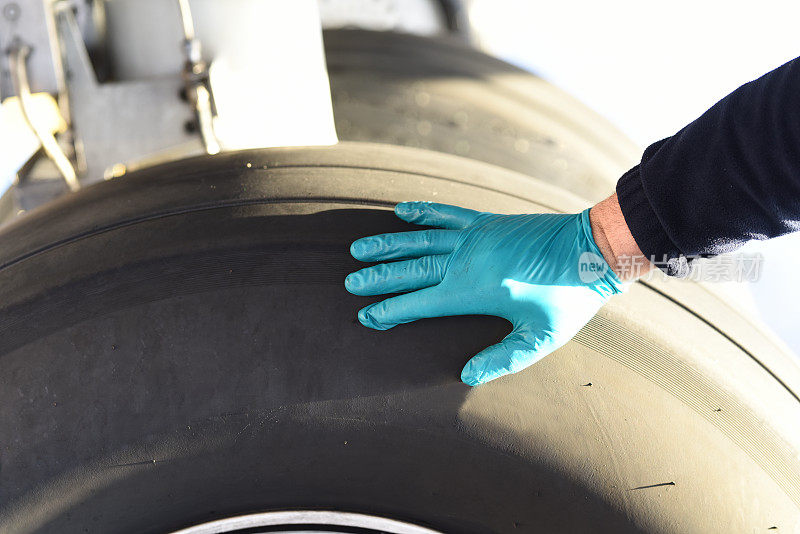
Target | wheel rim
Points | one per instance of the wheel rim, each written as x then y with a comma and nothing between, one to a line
308,522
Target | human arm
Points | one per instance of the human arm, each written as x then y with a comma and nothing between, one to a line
615,241
730,176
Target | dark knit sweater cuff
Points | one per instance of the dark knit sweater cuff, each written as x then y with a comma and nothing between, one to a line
646,228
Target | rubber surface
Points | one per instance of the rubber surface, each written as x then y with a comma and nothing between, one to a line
177,347
442,95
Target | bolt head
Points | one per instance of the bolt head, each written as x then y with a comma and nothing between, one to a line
11,11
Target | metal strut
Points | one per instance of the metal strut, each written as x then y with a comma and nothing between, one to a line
195,74
18,55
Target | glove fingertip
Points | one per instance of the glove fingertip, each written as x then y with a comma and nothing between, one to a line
403,207
471,381
352,283
408,211
471,374
360,249
366,318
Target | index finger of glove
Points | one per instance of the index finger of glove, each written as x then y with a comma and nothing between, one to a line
402,245
433,214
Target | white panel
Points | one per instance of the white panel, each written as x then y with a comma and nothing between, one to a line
268,72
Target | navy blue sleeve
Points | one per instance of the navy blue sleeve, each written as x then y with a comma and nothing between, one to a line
730,176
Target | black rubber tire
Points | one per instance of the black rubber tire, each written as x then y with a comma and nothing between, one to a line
177,347
442,95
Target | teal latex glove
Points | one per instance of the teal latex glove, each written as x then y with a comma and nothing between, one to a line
542,272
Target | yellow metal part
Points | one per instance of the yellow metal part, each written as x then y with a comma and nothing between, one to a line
18,141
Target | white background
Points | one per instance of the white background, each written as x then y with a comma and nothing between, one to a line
652,67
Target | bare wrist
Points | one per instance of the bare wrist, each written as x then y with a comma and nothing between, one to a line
614,239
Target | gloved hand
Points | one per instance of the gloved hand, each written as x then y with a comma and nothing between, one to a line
542,272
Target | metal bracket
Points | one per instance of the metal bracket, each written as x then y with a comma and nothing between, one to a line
122,122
